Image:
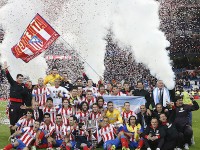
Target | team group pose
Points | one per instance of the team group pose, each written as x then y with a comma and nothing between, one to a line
58,114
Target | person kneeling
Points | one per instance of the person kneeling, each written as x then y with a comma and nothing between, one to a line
29,134
154,136
132,131
82,138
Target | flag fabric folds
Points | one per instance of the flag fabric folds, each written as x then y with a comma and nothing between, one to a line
135,101
37,37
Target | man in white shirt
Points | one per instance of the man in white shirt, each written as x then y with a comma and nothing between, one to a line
57,92
90,87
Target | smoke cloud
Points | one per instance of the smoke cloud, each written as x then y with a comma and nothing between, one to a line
81,24
84,24
138,27
85,27
15,17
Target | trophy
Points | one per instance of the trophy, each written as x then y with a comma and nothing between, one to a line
92,127
91,124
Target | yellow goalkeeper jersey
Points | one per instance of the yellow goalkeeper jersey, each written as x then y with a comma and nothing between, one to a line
50,79
114,116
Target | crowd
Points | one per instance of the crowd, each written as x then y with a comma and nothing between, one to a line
58,113
180,22
186,78
120,65
73,60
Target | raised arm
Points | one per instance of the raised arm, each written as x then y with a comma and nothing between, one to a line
194,107
8,76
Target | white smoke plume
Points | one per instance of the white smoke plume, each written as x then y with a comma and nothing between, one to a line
85,27
136,23
15,17
81,23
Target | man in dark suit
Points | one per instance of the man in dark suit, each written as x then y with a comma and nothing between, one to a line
161,95
66,82
140,91
37,113
143,117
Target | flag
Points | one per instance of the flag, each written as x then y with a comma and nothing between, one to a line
37,37
135,102
36,43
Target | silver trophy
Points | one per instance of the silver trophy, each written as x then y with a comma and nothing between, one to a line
91,124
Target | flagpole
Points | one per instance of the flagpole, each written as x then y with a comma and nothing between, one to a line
81,57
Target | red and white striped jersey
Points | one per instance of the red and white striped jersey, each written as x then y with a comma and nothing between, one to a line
90,102
24,122
82,133
60,131
83,117
101,94
52,111
107,133
66,113
71,129
126,115
28,136
94,116
127,93
81,98
48,129
41,95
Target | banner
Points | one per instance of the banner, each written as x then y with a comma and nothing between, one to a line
38,36
61,57
135,102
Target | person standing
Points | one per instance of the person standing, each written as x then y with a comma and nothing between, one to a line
161,94
50,79
66,82
40,93
143,118
58,92
17,92
140,91
113,114
27,98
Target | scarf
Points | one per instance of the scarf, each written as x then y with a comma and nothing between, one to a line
166,96
134,130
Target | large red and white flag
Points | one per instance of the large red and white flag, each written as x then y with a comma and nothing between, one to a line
38,36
